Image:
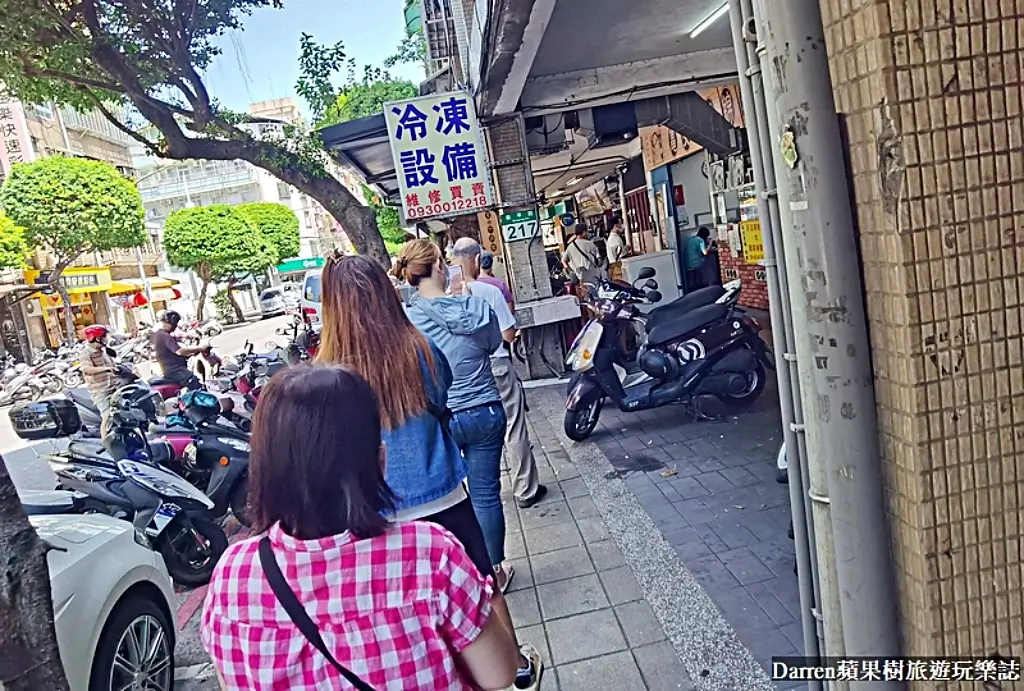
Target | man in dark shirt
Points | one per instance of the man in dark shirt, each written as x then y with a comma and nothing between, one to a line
172,356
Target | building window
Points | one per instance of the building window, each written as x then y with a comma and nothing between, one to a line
284,191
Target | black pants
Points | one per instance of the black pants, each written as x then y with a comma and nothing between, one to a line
185,378
460,521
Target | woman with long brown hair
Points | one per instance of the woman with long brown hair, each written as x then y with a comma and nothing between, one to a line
365,328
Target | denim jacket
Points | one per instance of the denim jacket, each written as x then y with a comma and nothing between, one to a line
423,462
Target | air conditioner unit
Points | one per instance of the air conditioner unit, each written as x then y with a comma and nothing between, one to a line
737,171
716,174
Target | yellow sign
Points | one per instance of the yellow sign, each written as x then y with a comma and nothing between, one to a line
88,279
753,242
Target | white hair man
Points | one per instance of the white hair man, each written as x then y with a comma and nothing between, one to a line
525,485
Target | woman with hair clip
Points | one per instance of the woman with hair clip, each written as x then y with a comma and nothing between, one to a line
334,595
365,328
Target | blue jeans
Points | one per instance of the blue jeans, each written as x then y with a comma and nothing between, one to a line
480,434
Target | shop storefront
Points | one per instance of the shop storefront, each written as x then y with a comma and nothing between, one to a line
87,289
295,269
131,307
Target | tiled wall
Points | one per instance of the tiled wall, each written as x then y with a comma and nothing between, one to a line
931,93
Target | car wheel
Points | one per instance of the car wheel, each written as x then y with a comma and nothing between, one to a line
135,649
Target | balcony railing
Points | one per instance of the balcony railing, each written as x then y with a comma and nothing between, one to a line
151,254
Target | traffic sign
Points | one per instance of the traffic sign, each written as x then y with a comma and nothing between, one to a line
520,225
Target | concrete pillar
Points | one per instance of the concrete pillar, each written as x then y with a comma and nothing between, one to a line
931,97
526,262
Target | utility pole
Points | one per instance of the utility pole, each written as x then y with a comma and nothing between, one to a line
762,162
842,410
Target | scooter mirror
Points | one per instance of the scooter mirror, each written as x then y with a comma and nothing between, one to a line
651,284
654,296
647,272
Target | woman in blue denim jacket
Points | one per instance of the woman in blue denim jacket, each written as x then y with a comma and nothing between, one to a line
365,328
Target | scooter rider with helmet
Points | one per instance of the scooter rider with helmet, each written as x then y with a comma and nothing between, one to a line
172,356
99,370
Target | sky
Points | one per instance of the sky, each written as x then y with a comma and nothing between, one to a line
261,61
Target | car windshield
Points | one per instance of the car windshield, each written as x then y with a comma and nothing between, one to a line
312,293
270,294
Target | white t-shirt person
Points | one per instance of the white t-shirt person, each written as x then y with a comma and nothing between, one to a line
493,297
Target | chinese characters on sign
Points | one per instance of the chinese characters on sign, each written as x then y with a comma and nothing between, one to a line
753,242
985,670
439,155
15,146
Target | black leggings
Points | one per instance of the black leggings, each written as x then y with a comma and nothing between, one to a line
460,521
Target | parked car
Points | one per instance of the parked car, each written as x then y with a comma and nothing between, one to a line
311,296
113,601
272,302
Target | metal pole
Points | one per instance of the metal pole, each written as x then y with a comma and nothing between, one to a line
778,303
815,474
843,407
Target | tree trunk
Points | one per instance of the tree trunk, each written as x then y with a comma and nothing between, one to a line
239,315
201,305
58,285
29,657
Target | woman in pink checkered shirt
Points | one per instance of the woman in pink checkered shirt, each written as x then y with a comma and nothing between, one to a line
334,596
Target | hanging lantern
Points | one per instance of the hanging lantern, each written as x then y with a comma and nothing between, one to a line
176,293
139,300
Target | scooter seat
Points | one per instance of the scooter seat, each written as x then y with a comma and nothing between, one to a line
679,326
49,502
90,450
684,304
160,381
83,399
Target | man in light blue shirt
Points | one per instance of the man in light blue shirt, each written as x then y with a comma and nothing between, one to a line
525,484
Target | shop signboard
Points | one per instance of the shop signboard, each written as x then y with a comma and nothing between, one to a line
294,265
753,242
91,279
520,225
15,144
440,157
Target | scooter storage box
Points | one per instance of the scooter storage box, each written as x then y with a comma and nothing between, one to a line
50,419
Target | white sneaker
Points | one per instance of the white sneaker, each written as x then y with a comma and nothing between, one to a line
528,679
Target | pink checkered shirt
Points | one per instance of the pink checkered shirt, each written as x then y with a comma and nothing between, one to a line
393,609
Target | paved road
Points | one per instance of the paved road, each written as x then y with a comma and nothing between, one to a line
30,471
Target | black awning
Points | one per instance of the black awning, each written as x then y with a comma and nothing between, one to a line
363,145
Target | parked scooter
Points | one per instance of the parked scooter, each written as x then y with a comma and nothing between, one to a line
713,350
30,384
122,478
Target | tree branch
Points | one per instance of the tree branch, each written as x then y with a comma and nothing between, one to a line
149,146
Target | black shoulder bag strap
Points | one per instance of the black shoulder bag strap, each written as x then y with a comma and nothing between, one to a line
296,612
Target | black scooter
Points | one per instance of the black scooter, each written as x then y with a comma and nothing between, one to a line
122,478
711,350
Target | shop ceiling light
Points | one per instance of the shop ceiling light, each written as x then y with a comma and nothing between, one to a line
709,20
574,181
557,193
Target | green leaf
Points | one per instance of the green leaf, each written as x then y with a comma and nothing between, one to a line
277,224
69,206
13,249
215,241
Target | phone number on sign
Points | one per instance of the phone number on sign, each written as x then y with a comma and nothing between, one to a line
447,207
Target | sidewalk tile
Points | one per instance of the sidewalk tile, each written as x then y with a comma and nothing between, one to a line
569,597
621,585
583,636
535,636
593,529
523,577
617,671
583,507
561,564
560,536
606,555
639,623
523,606
661,668
545,514
574,487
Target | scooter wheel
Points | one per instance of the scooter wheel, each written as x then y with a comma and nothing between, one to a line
755,387
189,562
580,423
240,502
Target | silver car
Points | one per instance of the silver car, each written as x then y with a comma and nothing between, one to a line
272,302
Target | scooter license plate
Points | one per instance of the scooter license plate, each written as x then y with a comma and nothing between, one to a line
161,519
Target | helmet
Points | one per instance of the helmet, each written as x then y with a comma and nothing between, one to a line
200,406
95,332
135,403
169,317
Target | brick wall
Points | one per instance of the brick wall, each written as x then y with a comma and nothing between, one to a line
755,289
931,91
